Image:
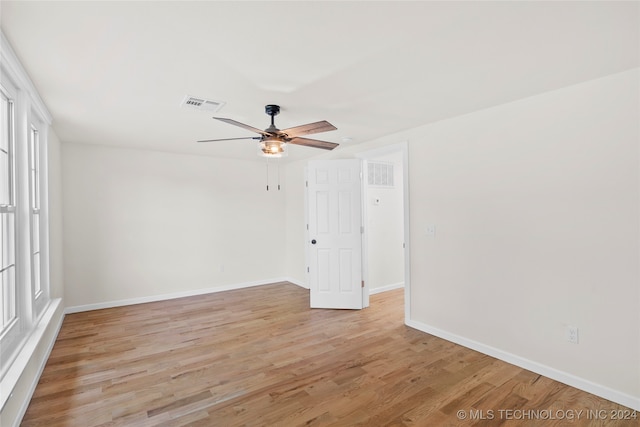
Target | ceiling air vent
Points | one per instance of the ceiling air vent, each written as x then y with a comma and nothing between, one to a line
201,104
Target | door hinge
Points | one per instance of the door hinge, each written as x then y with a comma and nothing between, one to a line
306,183
307,269
307,226
363,283
362,229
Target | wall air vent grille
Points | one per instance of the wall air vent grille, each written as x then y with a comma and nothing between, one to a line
201,104
380,174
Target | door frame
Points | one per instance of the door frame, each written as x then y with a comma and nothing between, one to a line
402,147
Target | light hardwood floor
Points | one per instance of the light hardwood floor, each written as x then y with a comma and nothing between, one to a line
261,357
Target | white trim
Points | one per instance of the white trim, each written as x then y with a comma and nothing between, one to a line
37,334
407,229
294,282
174,295
364,227
402,147
14,373
43,362
555,374
18,73
307,255
386,288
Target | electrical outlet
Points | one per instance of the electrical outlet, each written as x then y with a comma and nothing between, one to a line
572,334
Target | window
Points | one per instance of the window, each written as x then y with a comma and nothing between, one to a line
26,307
24,278
8,294
34,190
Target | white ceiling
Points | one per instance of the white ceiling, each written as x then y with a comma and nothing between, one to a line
115,73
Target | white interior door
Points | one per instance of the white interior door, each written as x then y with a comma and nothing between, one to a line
335,233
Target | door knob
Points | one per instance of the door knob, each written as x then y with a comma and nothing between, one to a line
313,242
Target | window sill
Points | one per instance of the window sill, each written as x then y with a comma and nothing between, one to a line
30,348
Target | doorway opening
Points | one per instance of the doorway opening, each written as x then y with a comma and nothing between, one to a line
385,208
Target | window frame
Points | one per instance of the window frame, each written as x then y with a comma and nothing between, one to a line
11,330
40,272
27,113
34,211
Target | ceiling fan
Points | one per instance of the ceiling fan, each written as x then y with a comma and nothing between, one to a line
273,140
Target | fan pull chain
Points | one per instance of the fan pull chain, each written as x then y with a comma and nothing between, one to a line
278,172
267,174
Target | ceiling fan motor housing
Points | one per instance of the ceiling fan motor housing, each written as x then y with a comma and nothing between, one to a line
272,110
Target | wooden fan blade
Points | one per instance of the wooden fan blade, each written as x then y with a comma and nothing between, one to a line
317,127
242,125
314,143
229,139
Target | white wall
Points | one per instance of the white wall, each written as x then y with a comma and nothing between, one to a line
537,208
294,187
536,205
140,224
385,228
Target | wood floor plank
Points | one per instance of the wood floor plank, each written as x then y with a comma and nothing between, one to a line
262,357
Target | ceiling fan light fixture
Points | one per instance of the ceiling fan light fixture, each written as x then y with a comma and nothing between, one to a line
272,147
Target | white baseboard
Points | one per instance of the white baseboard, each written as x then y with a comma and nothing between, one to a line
295,282
386,288
555,374
174,295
